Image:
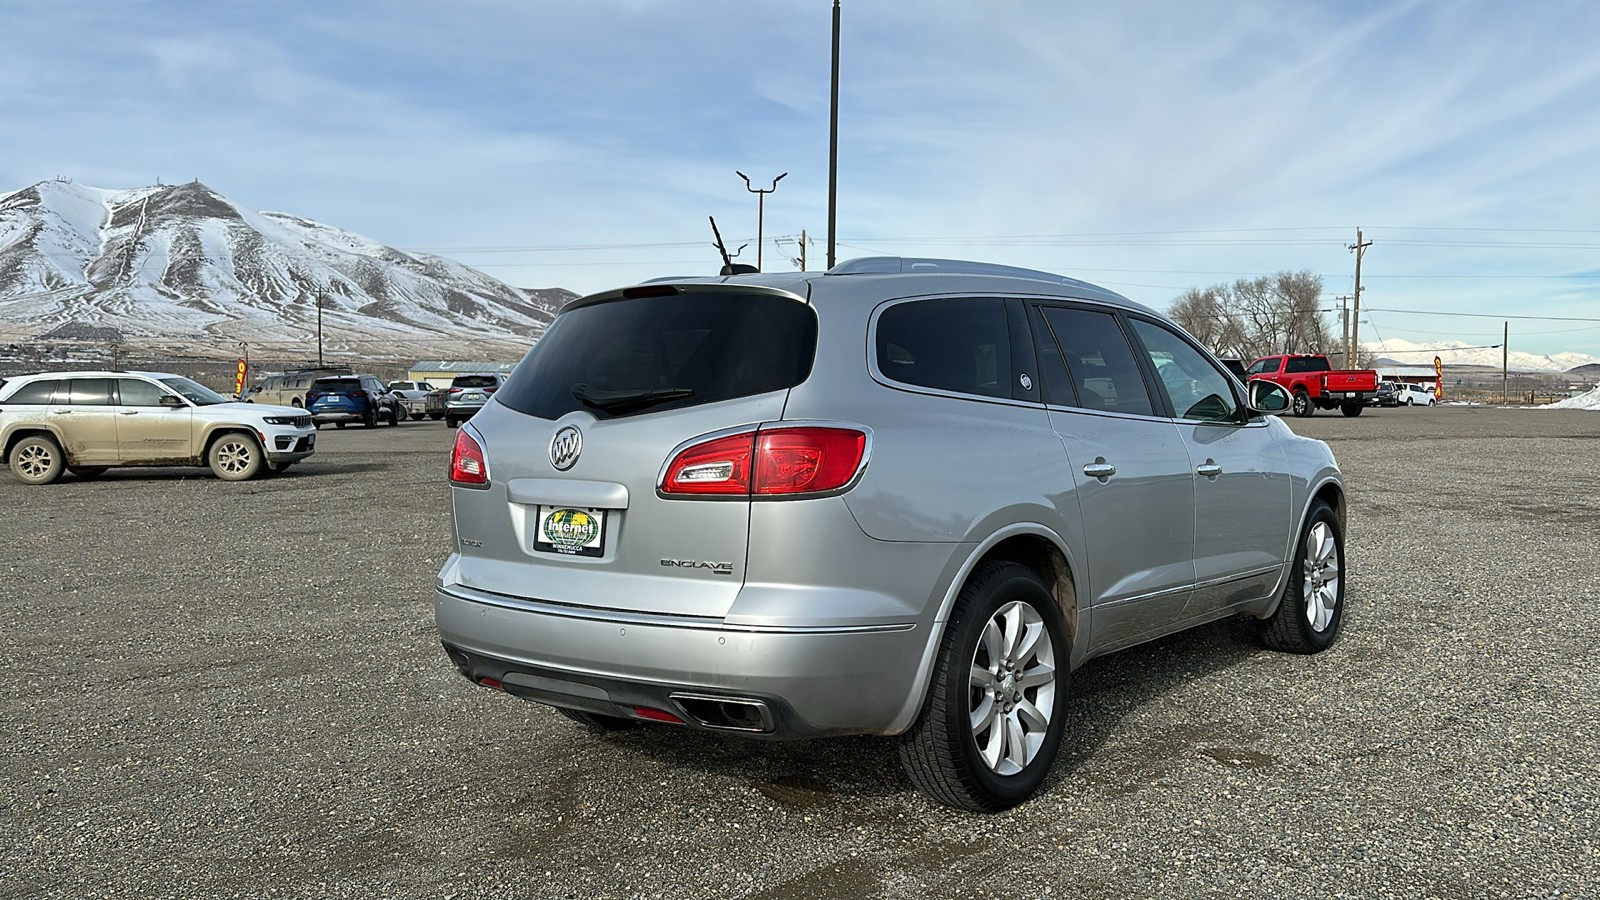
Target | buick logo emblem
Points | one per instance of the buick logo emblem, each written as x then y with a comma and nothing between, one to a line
565,447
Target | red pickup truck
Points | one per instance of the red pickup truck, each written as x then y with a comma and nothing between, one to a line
1314,384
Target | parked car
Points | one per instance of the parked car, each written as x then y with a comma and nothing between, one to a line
342,399
1386,395
289,388
87,422
1314,384
413,396
1414,395
464,397
1235,368
901,498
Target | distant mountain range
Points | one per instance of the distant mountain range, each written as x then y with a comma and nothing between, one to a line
1459,353
182,265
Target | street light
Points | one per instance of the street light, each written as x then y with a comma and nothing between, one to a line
761,207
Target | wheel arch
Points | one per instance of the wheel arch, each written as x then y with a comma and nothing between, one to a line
1329,491
15,436
1031,545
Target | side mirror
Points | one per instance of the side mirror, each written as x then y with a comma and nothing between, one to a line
172,402
1267,397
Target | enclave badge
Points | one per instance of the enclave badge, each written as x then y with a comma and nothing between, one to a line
565,447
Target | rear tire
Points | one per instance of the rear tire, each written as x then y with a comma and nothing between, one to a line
235,457
1302,405
1351,409
1312,606
598,721
1002,664
450,421
416,417
395,416
87,473
37,459
369,419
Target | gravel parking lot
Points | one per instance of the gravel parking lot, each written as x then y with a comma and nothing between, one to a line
235,690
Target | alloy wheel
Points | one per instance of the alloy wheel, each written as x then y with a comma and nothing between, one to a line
234,457
1319,576
35,460
1011,688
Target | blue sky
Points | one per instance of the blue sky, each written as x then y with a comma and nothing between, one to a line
1147,146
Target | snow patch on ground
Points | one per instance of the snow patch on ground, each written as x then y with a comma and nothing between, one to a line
1590,400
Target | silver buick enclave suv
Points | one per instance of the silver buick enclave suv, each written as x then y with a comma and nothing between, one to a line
904,497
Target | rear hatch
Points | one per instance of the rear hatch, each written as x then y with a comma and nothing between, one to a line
471,390
577,439
336,395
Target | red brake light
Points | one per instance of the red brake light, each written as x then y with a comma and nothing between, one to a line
453,391
807,460
718,466
656,715
467,463
772,462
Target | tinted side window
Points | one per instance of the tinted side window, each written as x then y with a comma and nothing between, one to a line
1198,390
134,392
647,354
90,392
1263,366
1307,364
1099,360
34,392
953,344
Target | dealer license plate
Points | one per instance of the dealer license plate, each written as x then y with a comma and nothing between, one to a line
570,531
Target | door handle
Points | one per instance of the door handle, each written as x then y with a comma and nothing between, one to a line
128,412
1100,469
1209,469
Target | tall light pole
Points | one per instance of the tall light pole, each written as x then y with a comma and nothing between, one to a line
319,328
1352,354
761,207
833,138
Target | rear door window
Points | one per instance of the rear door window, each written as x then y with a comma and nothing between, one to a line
1101,367
135,392
630,356
91,392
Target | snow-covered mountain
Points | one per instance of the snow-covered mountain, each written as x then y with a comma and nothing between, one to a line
182,263
1451,354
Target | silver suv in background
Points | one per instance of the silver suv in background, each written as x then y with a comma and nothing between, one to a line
904,498
467,394
87,422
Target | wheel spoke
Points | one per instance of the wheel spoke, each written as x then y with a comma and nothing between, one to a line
1012,629
1029,642
996,746
1016,742
991,641
983,716
1036,676
1032,717
982,678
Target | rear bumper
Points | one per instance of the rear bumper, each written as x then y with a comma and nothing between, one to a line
814,681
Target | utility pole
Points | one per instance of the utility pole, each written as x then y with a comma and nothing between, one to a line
802,259
1353,351
319,328
761,208
833,139
1505,361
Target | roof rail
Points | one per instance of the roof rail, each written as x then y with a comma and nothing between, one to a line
897,265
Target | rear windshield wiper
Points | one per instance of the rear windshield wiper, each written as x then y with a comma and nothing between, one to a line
626,401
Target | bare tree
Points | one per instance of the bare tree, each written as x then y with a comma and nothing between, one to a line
1257,316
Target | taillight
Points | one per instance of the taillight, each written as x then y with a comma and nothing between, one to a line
720,466
453,391
806,460
467,464
772,462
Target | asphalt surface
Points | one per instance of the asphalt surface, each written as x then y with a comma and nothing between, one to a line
235,690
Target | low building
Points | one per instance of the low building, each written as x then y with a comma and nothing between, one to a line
440,372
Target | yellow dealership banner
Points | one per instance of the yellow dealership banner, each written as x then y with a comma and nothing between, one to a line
1438,378
238,379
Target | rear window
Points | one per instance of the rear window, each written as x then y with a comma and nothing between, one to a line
337,384
625,357
477,381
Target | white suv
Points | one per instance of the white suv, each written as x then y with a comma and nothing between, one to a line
86,422
1414,395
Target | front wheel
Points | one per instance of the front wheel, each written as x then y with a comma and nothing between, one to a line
1308,615
37,459
1302,405
235,457
994,715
